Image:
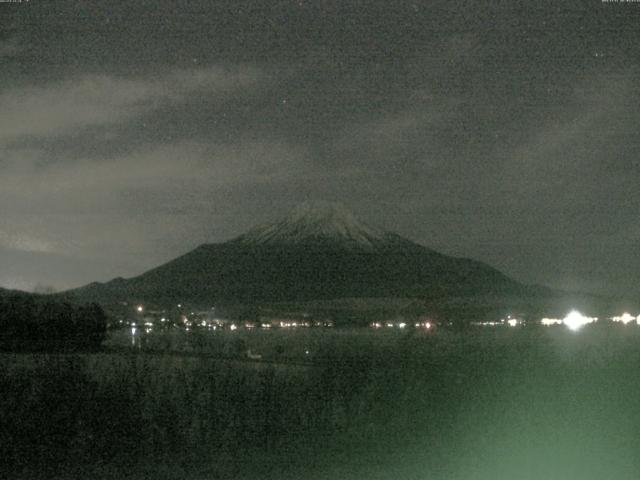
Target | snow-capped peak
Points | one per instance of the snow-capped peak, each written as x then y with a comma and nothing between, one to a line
318,222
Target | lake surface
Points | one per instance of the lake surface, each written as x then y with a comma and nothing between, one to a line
484,404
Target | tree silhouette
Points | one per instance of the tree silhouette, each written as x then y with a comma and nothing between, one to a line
30,325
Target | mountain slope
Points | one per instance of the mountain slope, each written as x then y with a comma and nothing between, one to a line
13,293
322,224
318,252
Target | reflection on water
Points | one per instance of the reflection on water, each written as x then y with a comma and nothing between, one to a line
504,403
138,336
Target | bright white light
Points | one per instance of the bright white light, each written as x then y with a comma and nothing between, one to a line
547,322
624,318
427,325
163,319
233,326
140,308
512,322
402,325
575,320
488,324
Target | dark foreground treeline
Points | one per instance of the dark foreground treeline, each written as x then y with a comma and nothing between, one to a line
121,415
30,324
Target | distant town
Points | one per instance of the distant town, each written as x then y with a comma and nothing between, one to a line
144,319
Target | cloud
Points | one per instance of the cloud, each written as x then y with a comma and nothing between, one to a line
140,204
388,130
569,148
180,165
97,100
24,242
9,48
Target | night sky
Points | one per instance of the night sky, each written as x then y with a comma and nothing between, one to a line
508,132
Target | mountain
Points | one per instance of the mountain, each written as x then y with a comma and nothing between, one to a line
14,293
321,223
320,252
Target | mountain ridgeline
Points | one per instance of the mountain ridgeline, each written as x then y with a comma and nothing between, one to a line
318,253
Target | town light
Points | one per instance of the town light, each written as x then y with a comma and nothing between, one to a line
624,318
575,320
547,322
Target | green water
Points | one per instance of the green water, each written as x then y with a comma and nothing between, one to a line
486,404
